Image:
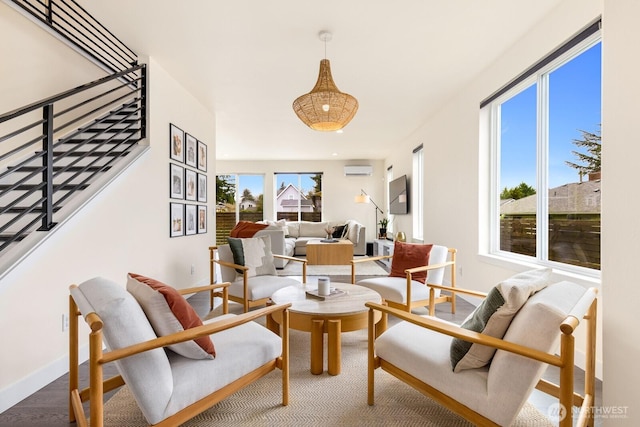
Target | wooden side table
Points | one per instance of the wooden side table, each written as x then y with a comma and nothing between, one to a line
345,313
340,252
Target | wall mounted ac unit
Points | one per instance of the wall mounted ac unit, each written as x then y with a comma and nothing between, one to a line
358,170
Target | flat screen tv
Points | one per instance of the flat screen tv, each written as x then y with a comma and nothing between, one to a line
398,196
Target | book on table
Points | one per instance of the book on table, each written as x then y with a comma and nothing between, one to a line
333,293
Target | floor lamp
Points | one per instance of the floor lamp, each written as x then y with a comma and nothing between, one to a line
363,197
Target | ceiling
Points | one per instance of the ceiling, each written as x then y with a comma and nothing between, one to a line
247,60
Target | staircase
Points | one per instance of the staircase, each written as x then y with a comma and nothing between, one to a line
57,153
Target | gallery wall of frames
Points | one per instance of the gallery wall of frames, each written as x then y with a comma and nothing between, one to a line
187,183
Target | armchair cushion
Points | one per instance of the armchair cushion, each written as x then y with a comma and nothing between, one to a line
168,312
254,253
410,255
493,316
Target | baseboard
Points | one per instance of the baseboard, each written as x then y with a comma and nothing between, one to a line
15,393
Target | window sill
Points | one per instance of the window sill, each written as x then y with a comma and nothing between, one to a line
518,265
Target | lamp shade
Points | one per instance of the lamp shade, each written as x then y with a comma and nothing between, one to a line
362,198
325,108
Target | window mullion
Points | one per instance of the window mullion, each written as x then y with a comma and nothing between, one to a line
236,180
542,211
494,208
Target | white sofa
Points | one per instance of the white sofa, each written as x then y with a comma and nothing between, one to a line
290,237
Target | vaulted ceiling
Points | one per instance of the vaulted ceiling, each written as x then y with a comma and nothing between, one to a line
247,60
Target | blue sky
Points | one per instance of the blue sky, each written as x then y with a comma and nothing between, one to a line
574,105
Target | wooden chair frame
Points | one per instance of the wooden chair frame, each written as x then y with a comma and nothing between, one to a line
98,358
564,391
410,305
244,300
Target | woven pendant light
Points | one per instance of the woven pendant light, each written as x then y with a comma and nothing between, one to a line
325,108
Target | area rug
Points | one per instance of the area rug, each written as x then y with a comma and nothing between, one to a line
365,269
319,400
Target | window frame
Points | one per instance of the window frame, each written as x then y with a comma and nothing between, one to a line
417,193
389,178
300,213
489,112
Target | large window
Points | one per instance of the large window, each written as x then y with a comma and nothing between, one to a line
545,134
417,193
238,197
298,196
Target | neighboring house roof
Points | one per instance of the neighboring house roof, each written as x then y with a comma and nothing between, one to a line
578,197
293,188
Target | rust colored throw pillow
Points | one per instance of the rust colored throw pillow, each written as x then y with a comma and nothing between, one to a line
246,229
410,255
168,312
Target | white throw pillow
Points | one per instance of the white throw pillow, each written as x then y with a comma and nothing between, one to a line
255,253
493,316
168,312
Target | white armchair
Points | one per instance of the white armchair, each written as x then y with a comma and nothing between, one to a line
168,387
407,293
417,351
250,291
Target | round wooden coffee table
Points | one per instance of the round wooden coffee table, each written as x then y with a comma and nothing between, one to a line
344,313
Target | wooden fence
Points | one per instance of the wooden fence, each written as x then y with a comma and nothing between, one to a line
573,241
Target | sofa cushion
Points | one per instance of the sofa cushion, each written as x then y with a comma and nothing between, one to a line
493,316
294,228
255,253
281,224
313,229
168,312
410,255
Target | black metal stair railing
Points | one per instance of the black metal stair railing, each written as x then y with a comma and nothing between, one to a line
95,124
68,20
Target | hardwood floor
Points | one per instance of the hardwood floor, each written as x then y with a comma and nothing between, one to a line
48,407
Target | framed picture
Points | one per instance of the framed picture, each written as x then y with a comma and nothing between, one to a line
176,181
202,156
202,187
202,219
176,143
176,214
190,220
190,150
190,184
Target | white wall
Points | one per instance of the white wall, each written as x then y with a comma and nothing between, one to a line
620,204
338,191
124,229
456,159
24,51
